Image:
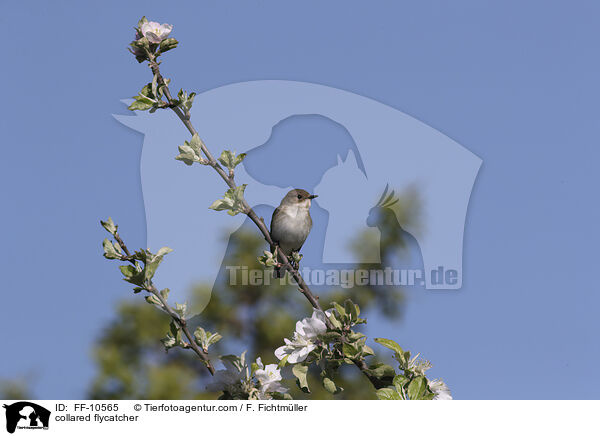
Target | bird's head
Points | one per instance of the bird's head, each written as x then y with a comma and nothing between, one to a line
298,198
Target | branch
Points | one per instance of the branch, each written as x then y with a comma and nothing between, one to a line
228,179
181,322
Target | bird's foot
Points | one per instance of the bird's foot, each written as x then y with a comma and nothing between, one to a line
295,259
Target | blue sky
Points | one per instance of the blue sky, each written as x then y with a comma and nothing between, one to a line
514,82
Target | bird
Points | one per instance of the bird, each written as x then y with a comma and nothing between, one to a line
291,223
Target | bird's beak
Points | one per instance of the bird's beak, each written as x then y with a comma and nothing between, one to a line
312,196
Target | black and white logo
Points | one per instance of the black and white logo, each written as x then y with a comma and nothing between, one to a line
26,415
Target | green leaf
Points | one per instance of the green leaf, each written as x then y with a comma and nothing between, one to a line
381,370
349,350
300,371
428,395
196,143
154,87
222,204
173,338
399,382
141,22
329,385
139,105
205,338
110,251
280,396
355,336
132,274
140,255
187,155
169,341
165,293
330,336
400,355
191,151
387,394
229,160
141,44
392,345
335,322
152,261
367,351
163,250
283,361
168,44
233,201
339,309
352,310
237,361
268,259
200,335
174,328
185,100
153,299
180,309
238,159
109,226
213,339
416,388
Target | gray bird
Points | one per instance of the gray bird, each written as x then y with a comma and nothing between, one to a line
291,223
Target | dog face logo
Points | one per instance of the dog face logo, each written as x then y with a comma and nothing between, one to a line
26,415
381,152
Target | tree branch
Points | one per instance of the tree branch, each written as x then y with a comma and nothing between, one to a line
259,222
181,322
185,119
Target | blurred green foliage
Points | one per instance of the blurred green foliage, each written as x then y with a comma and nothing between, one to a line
131,361
18,389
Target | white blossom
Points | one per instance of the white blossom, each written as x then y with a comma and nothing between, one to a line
304,338
156,32
440,389
419,366
268,378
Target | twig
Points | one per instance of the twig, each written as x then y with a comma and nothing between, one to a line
228,179
312,298
181,322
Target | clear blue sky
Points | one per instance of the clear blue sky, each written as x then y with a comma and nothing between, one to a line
514,82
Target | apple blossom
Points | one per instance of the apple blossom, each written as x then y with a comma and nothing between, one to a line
156,32
440,389
304,338
419,366
268,378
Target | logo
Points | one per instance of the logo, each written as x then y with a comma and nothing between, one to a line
26,415
369,163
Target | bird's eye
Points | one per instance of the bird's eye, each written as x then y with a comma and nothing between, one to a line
299,197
